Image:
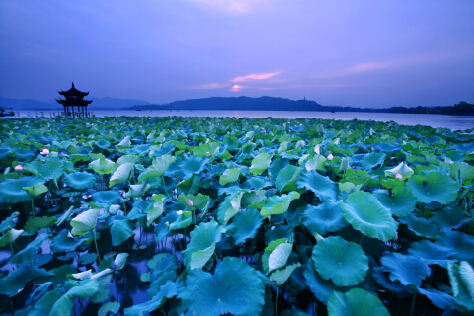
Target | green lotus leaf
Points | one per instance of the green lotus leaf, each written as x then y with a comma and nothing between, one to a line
44,304
268,251
122,174
162,228
125,143
440,299
166,291
422,227
189,186
48,170
103,143
65,216
245,225
198,201
450,217
39,222
321,288
141,149
64,305
326,217
203,242
120,260
35,191
253,199
130,158
62,243
339,260
467,172
120,230
5,152
434,187
164,270
106,198
257,183
80,180
24,153
17,279
191,165
461,278
12,191
279,256
158,167
8,222
229,207
281,276
365,213
155,209
260,163
292,312
184,220
405,268
27,253
81,276
84,222
432,253
372,160
278,204
321,186
286,179
137,190
109,307
402,203
315,163
231,142
229,176
208,150
234,288
88,259
355,302
102,166
10,236
402,169
460,242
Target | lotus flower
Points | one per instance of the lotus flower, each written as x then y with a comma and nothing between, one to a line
110,132
392,158
18,168
372,148
190,203
398,176
82,134
179,212
44,151
330,157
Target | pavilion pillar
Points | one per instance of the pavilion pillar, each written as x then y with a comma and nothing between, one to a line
87,115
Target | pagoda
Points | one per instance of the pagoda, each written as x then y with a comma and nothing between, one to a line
74,98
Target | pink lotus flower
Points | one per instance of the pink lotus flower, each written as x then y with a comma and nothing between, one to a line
110,132
330,157
44,151
82,134
398,176
190,203
392,158
18,168
372,148
77,136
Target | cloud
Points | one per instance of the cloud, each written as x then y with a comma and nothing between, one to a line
230,6
261,76
237,88
210,86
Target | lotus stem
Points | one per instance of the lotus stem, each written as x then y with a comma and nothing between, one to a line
11,246
97,249
413,304
362,238
124,208
33,207
276,303
164,185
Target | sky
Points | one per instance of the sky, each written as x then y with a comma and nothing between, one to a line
374,54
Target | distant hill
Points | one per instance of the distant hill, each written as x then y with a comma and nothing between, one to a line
239,104
106,103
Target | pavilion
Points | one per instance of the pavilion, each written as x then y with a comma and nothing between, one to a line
74,98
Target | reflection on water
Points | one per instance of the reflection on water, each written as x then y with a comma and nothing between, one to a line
451,122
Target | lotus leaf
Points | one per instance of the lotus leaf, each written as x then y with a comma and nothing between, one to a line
155,209
125,143
12,191
102,166
191,165
432,253
8,222
158,167
461,243
137,190
84,222
281,276
422,227
402,169
279,256
326,217
203,242
35,191
106,197
166,291
229,176
17,279
62,243
245,225
462,283
10,236
80,180
184,220
341,261
47,170
109,307
405,268
450,217
321,288
27,253
367,215
229,208
467,172
39,222
278,204
315,163
440,299
402,203
268,251
321,186
64,305
122,174
434,187
373,160
233,288
286,179
349,304
260,163
121,230
198,201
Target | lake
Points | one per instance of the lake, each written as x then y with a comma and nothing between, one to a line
451,122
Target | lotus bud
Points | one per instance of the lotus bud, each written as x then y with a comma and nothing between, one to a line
110,132
179,212
190,203
330,157
372,148
77,136
167,225
398,176
18,168
44,151
318,237
207,153
393,158
82,134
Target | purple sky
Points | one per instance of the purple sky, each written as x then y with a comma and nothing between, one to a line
348,53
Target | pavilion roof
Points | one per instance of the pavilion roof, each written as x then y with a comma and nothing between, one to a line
73,91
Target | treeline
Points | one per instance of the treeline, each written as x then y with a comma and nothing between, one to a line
460,109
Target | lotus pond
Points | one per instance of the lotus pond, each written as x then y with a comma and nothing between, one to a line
223,216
